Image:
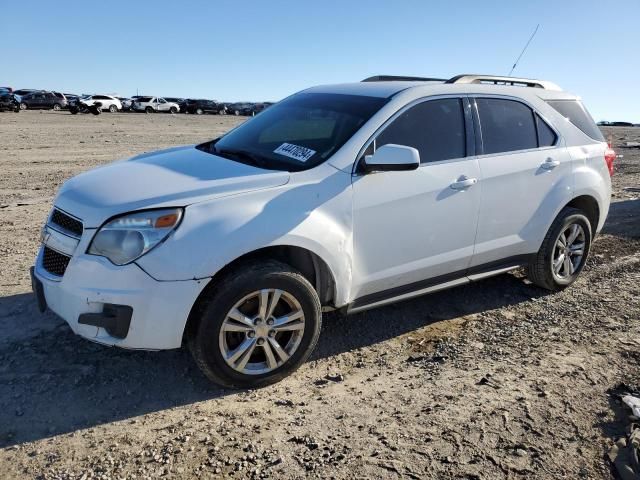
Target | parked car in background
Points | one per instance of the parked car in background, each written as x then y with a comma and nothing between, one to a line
174,100
107,102
154,104
237,108
254,108
126,103
61,96
6,90
200,106
42,101
8,101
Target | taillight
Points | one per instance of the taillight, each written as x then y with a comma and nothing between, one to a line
609,157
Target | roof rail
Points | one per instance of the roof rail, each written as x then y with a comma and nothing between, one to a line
497,80
400,78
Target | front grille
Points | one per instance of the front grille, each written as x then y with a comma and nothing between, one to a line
54,262
67,222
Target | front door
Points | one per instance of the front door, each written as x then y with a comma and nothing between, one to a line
418,225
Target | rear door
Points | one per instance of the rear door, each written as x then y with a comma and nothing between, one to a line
522,161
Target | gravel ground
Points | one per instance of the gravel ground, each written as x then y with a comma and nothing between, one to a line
492,380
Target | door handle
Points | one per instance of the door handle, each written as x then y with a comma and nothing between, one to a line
549,164
463,182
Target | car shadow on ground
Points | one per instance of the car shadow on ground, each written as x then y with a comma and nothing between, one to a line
624,219
53,382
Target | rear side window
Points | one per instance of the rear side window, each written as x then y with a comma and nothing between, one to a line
578,115
435,128
546,136
507,125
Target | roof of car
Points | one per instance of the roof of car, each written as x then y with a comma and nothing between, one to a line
371,89
386,86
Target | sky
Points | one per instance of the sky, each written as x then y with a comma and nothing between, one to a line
265,50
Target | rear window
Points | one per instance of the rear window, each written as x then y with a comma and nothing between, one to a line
578,115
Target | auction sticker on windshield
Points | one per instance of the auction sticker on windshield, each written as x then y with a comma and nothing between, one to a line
302,154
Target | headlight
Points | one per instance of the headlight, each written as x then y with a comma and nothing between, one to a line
127,238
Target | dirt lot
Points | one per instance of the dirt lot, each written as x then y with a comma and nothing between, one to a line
493,380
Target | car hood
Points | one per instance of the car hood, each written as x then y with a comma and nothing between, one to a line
174,177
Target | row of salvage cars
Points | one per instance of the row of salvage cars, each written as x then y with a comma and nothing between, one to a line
30,99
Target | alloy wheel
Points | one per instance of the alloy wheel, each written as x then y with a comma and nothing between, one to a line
568,251
262,331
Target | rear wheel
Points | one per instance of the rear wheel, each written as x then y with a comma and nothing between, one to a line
23,106
113,109
260,324
564,251
148,110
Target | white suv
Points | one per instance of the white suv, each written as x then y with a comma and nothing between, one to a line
154,104
342,197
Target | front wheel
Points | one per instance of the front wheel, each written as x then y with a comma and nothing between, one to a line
113,109
259,325
564,251
173,110
23,106
57,107
199,111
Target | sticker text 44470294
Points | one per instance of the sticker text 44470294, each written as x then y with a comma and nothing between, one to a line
301,154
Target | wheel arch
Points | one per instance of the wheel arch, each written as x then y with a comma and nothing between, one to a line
308,263
589,205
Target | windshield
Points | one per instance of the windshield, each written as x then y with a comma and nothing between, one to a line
298,133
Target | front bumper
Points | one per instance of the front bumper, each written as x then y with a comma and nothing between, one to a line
92,286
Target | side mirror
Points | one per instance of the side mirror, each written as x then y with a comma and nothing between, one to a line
392,158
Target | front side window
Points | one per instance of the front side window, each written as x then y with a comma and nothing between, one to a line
507,125
299,132
435,128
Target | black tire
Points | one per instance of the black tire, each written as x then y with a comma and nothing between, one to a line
540,269
57,107
173,110
236,112
74,110
113,109
23,106
199,111
204,337
149,110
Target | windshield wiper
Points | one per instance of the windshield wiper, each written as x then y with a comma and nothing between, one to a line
242,155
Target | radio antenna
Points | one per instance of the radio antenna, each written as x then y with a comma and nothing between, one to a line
524,49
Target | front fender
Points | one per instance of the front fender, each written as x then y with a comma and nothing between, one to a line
308,213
